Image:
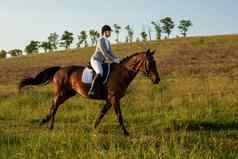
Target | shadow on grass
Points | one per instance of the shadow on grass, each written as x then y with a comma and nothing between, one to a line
36,121
10,139
206,125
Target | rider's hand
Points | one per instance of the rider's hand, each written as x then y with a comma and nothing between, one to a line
117,60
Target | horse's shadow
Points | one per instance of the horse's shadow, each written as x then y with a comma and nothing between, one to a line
207,125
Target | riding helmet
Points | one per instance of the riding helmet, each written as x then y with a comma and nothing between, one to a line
106,28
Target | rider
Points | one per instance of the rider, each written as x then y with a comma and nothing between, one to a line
103,51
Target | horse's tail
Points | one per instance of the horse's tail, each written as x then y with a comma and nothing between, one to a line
44,77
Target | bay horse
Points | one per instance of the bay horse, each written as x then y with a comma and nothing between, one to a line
67,83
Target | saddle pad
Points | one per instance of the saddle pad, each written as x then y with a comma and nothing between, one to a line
88,74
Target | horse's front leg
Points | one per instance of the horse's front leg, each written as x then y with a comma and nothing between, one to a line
116,105
103,111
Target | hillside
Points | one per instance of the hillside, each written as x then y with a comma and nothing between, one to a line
192,113
199,51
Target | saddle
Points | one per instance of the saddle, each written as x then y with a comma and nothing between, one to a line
89,73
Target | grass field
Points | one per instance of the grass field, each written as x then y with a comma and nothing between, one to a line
192,113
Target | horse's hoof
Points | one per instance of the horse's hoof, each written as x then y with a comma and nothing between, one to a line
43,121
51,128
126,133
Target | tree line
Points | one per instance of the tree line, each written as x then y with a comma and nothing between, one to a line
54,40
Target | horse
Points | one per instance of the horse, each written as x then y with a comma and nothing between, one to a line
67,83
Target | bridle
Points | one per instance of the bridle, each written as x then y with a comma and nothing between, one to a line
144,64
146,68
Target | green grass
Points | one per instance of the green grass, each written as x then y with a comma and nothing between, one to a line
192,113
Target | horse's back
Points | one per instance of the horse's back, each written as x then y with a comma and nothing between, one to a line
66,72
71,77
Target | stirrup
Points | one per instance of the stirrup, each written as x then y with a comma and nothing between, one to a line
91,92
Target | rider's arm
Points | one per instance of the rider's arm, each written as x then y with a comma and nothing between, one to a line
104,50
110,50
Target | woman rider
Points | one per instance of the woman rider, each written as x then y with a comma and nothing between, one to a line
103,51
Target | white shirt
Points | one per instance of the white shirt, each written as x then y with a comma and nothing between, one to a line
108,47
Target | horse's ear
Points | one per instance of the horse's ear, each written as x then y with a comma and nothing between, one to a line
148,52
153,52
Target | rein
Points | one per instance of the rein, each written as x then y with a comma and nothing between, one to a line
138,65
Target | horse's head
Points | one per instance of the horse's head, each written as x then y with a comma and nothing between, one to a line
143,62
149,67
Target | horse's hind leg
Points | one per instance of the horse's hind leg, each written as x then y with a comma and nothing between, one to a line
59,98
48,117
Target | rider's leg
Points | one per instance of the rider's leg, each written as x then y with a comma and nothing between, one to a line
93,85
97,66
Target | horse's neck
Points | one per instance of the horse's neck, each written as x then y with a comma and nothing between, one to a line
131,68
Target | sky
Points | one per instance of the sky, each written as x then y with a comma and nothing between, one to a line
25,20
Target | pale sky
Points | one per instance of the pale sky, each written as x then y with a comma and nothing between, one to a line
25,20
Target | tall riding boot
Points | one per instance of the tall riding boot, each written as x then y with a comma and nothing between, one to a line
94,83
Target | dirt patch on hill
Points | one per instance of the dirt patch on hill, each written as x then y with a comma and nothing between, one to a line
202,60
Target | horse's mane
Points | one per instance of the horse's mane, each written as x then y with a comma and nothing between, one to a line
130,56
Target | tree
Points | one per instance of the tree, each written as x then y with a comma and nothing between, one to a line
149,33
157,29
15,52
126,39
167,26
53,39
143,36
32,47
97,36
117,29
94,35
130,33
3,53
46,45
183,26
82,39
67,39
